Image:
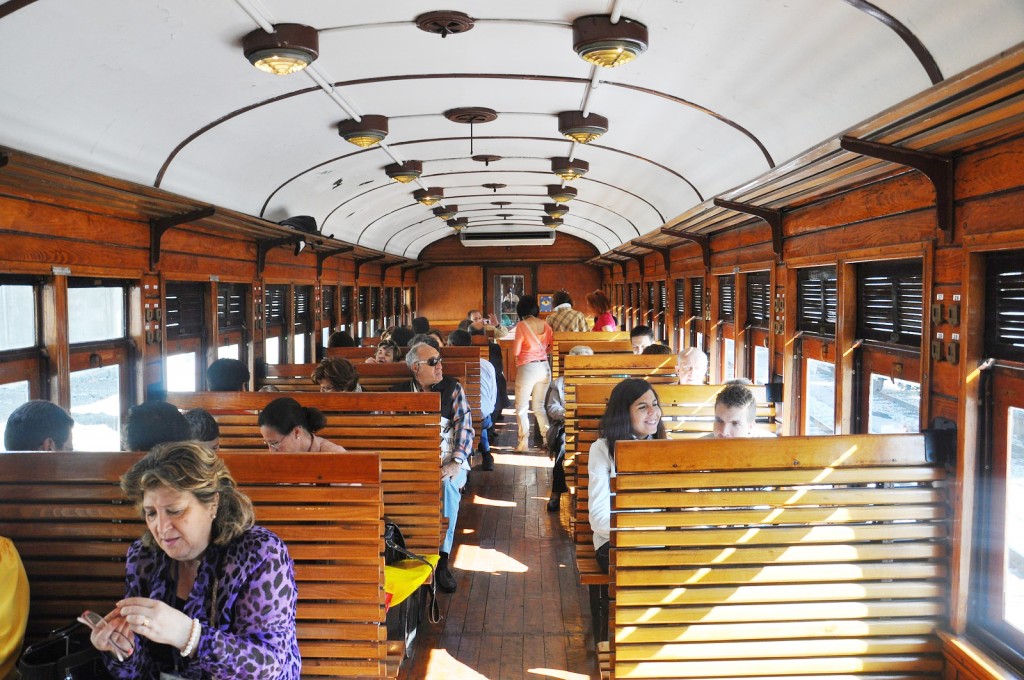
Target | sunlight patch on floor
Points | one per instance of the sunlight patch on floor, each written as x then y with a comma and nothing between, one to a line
522,460
480,500
553,673
442,666
475,558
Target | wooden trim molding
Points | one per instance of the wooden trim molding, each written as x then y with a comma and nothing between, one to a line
966,661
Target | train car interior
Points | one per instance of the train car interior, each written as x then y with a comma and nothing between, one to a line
823,197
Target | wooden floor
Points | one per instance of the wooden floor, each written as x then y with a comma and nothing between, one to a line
519,611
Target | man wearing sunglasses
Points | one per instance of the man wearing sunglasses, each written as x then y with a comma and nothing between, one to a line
427,369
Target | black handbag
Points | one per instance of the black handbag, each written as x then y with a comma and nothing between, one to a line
66,654
395,550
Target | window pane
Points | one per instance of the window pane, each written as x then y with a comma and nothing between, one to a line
761,365
12,395
820,397
227,352
326,336
181,372
96,408
17,302
300,349
1013,577
730,359
273,350
95,314
894,405
700,342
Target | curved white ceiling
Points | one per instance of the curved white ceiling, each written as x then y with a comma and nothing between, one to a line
160,94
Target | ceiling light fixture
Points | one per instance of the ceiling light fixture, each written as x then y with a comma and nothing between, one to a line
494,186
459,223
552,222
580,128
290,48
561,194
428,196
404,172
445,212
556,210
597,40
366,132
569,169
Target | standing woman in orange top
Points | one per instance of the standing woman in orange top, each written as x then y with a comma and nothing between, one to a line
602,308
533,373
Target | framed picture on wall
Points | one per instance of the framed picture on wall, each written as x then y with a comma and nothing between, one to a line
507,289
544,301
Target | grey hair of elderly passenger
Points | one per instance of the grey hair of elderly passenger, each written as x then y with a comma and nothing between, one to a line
414,354
581,351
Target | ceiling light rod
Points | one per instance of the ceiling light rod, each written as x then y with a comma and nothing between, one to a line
314,74
254,14
617,11
387,149
591,86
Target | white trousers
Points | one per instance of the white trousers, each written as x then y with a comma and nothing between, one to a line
532,380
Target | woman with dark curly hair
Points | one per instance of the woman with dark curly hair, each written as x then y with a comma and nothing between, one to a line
209,593
290,427
336,374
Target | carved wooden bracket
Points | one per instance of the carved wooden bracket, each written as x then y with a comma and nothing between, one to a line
264,247
770,215
159,225
361,261
666,253
639,257
322,255
412,268
4,158
939,169
703,241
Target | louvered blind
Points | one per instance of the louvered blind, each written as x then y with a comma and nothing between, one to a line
330,306
396,305
363,303
890,304
1004,313
679,307
727,298
651,309
345,312
759,311
817,301
276,305
697,297
303,308
231,305
375,303
183,310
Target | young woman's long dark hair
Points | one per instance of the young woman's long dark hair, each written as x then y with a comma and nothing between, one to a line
616,424
285,414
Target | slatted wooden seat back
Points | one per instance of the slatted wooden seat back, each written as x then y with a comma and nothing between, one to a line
67,516
372,377
796,557
602,342
470,357
357,355
403,427
688,412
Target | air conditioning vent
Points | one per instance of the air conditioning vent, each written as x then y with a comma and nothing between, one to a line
499,236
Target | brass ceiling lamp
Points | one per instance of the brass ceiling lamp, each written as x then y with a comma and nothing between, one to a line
561,194
366,132
569,169
552,222
428,196
459,223
404,172
445,212
290,48
597,40
556,210
580,128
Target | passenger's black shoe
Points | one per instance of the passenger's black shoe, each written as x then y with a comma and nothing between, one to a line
443,576
487,464
554,503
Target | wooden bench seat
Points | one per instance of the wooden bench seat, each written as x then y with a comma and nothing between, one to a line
604,342
838,562
402,427
68,519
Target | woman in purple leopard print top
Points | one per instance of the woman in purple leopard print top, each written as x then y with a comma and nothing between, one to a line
209,595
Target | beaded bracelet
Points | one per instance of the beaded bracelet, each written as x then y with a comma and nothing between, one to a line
193,638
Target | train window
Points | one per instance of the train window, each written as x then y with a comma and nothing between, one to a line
345,308
184,322
697,313
231,319
374,315
759,316
12,395
651,312
330,315
1004,312
817,303
819,397
95,311
96,407
18,301
276,312
302,331
660,320
727,326
890,302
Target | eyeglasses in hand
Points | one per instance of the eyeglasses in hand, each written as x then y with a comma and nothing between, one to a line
121,645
